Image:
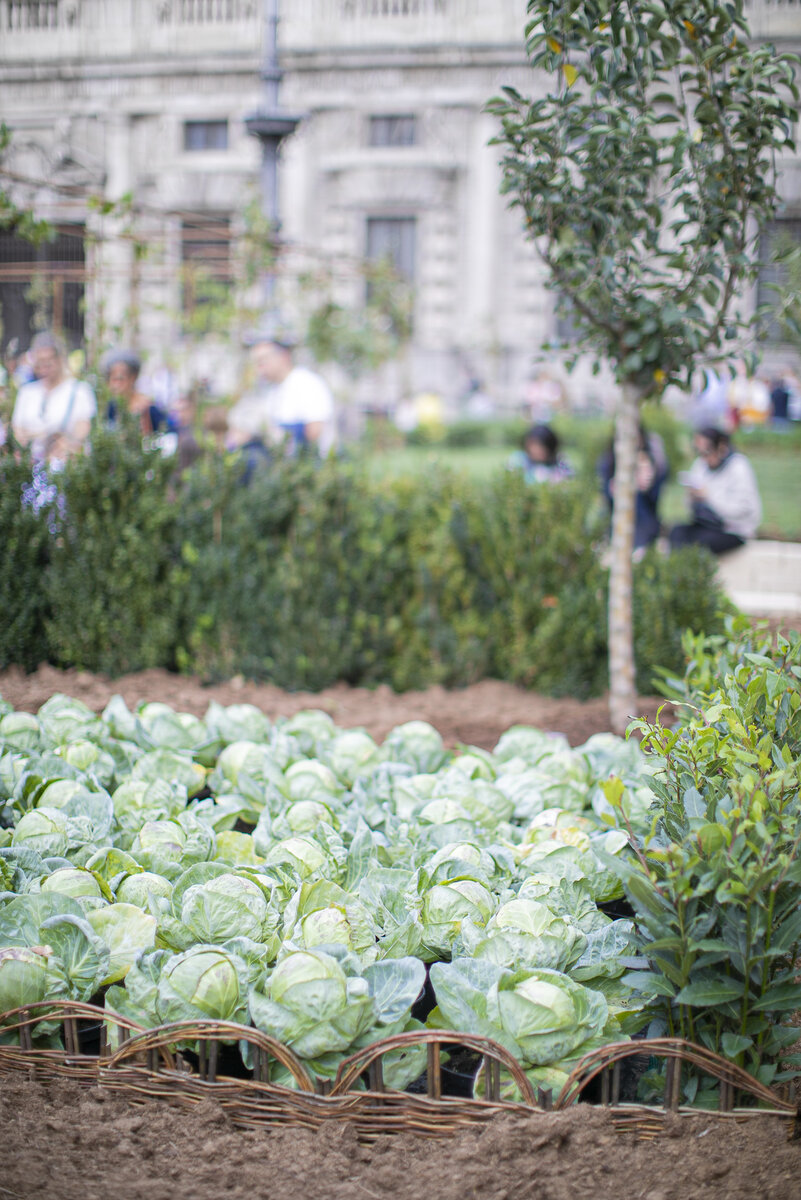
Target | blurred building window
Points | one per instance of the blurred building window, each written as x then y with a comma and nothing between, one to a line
205,135
392,240
43,286
393,131
205,259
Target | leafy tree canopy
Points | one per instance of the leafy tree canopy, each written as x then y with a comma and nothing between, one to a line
646,170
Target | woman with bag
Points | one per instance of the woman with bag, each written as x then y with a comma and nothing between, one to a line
52,414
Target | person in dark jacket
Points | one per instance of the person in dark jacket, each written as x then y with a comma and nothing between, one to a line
122,373
652,471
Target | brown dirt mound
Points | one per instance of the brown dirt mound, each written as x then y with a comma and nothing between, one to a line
65,1143
476,715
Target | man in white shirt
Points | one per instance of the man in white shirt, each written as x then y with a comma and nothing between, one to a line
299,402
53,414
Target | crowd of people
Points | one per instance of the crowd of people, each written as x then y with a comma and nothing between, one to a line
722,493
744,401
290,408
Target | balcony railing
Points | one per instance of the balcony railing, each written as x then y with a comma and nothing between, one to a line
50,30
308,25
18,15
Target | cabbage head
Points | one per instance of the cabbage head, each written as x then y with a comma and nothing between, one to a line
526,932
205,981
446,905
228,906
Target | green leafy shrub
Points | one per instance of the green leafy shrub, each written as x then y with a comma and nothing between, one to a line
26,515
468,433
540,544
672,595
111,582
716,885
314,573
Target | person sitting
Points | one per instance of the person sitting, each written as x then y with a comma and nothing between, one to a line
651,473
539,459
724,498
122,372
53,414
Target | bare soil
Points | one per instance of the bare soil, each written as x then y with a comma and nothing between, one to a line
66,1143
475,715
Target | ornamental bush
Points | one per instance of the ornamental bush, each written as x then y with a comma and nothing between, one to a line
716,884
314,573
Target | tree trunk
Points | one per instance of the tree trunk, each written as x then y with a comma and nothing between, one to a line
622,688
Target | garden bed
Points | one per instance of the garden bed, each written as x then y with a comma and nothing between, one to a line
68,1143
476,715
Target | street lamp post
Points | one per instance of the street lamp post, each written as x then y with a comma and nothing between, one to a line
270,124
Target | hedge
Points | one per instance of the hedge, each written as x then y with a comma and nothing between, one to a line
314,574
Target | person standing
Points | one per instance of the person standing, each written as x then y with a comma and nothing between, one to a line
53,414
724,498
299,403
122,372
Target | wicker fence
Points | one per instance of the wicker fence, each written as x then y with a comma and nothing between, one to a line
103,1049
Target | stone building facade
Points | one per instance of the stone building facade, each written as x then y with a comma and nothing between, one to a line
147,99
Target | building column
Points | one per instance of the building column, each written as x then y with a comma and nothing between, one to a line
114,255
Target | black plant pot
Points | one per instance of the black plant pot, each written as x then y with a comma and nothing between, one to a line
89,1036
229,1062
617,909
425,1002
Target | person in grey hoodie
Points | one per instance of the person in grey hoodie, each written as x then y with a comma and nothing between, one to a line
724,498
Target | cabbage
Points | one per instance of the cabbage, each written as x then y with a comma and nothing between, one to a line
350,754
323,913
59,793
309,780
245,759
79,883
146,890
138,800
227,906
538,1015
172,730
309,730
166,764
323,1008
23,976
63,719
45,830
237,722
416,743
237,848
526,932
204,982
89,759
127,931
446,905
521,741
19,731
